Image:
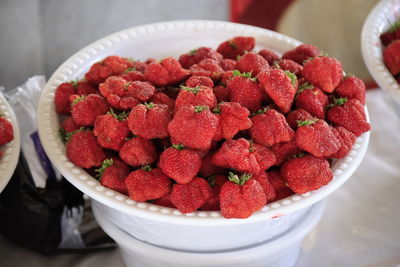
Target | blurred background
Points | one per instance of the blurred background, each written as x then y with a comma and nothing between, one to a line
38,35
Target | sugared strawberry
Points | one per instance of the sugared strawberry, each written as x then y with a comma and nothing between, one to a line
68,125
236,46
112,65
83,87
391,57
163,99
208,67
297,115
85,109
264,156
147,184
316,137
285,150
238,155
216,182
350,114
150,120
301,53
196,96
228,64
270,127
280,86
251,62
6,130
82,149
61,98
279,185
194,81
197,55
289,65
352,87
269,190
180,164
189,197
241,196
232,119
168,72
138,152
245,90
324,72
312,100
269,56
199,121
346,140
112,174
221,93
306,173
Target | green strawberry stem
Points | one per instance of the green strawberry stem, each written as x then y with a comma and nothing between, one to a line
129,70
199,109
193,90
305,86
337,102
126,85
292,77
147,168
106,163
260,111
74,83
68,135
78,99
121,116
149,105
233,44
296,156
234,178
211,181
251,148
192,52
237,73
2,114
306,122
178,146
394,26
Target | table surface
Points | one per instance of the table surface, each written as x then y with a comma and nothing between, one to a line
360,226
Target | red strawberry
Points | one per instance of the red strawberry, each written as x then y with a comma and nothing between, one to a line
297,115
196,96
324,72
180,164
241,197
147,184
208,67
391,57
68,125
6,130
251,62
196,120
61,98
232,119
285,150
197,55
316,137
269,190
194,81
236,46
238,155
83,87
161,98
350,114
352,87
112,65
111,130
138,152
245,91
346,139
82,149
132,74
228,64
85,109
290,65
270,128
208,168
112,174
150,120
279,185
216,182
306,173
264,156
189,197
221,93
312,99
387,37
164,201
227,76
114,89
301,53
269,56
141,66
280,86
168,72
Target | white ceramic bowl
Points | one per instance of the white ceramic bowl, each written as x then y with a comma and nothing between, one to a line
11,150
160,40
377,22
281,251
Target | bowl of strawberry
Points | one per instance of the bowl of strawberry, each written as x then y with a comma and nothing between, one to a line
225,132
380,43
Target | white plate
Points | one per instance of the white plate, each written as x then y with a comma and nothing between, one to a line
11,150
377,22
160,40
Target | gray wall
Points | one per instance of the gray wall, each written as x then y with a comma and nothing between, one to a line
36,36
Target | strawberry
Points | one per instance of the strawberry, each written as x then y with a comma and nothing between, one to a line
132,74
269,190
270,127
112,174
61,98
208,168
111,130
228,64
280,86
208,67
264,156
306,173
387,38
324,72
232,119
197,96
194,81
312,99
180,164
68,125
196,55
391,57
289,65
251,62
83,87
85,109
297,115
149,120
238,155
168,72
316,137
147,184
280,188
221,93
216,182
138,152
245,90
241,196
112,65
161,98
285,150
6,130
352,87
164,201
346,140
269,56
350,114
196,120
82,149
301,53
236,46
228,75
189,197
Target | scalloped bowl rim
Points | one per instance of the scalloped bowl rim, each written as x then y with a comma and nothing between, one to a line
55,149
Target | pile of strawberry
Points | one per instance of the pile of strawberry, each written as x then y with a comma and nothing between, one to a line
226,129
391,52
6,131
